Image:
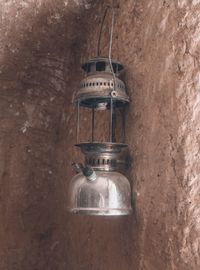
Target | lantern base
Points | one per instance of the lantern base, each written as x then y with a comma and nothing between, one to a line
108,195
101,212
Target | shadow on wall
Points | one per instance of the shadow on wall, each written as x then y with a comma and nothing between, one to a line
39,43
41,53
40,57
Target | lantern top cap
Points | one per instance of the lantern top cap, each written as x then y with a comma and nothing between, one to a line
102,64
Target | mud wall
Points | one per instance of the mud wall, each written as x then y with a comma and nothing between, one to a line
42,44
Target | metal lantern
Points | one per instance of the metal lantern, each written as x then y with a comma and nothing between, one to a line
100,186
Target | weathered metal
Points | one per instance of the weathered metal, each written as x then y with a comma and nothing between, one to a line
99,187
99,85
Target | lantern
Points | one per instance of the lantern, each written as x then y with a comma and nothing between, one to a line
100,186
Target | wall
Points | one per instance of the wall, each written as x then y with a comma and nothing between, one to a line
42,45
36,54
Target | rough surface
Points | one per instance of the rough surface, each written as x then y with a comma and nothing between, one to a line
42,44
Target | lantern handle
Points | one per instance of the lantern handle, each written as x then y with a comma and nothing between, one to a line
101,28
112,7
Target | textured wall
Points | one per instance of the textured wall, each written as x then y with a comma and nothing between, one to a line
42,44
36,42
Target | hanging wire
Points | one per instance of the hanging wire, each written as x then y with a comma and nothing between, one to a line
101,28
112,112
110,45
110,61
111,37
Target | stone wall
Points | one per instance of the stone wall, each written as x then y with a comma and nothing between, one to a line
42,44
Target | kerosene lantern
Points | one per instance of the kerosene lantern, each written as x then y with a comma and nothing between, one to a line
100,186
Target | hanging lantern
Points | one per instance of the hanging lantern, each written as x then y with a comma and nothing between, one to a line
100,186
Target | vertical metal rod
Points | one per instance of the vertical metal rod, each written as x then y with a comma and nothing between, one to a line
78,122
113,125
111,119
92,124
123,112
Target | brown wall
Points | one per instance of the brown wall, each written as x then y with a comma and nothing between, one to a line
42,44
